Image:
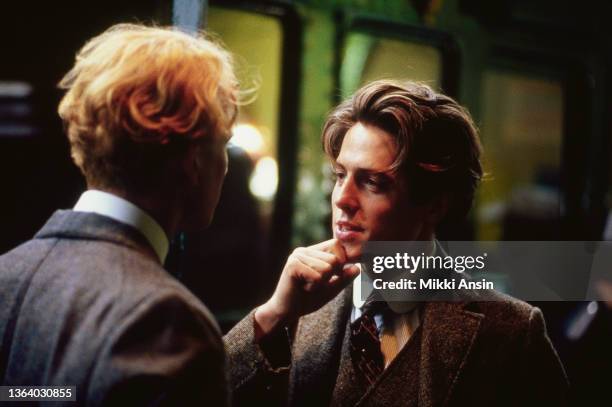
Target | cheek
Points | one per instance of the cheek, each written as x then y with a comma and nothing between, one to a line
386,220
215,168
334,197
408,223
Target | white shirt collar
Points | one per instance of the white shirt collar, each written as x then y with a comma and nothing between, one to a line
106,204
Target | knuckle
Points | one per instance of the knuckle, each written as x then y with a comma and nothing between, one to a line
316,278
333,261
327,268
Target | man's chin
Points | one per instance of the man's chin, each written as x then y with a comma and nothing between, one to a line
353,251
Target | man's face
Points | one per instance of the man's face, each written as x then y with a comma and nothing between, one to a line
369,201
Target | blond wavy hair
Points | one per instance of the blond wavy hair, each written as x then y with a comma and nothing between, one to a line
138,96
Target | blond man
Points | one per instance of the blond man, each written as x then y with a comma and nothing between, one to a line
86,302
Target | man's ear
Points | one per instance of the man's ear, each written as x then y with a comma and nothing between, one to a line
438,209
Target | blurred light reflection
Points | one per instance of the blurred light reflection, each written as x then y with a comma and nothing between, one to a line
249,138
264,180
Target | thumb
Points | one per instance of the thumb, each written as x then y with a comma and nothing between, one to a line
350,271
338,250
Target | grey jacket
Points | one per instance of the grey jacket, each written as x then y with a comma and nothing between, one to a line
86,303
463,354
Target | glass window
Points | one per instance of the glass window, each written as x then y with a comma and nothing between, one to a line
256,42
521,129
367,58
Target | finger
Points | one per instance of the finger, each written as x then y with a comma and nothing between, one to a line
311,279
340,281
319,254
332,246
339,251
350,271
322,267
323,245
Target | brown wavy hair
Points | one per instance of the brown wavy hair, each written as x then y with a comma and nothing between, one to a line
438,148
137,96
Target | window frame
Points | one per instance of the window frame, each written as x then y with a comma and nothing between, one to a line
443,41
573,76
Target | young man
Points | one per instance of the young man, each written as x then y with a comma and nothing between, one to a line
405,158
86,302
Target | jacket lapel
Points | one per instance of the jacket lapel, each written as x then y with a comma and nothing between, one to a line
316,352
448,333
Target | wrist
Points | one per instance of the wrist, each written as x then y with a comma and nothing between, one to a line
269,317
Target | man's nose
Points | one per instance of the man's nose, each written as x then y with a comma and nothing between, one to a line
347,196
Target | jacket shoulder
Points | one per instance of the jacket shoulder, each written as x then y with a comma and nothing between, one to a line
499,304
507,319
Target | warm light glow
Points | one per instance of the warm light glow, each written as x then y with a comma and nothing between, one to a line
264,180
249,138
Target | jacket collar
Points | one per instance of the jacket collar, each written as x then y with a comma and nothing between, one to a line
91,226
124,211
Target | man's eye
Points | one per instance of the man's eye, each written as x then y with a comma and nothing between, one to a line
373,183
376,184
338,175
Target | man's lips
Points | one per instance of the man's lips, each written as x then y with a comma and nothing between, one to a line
347,231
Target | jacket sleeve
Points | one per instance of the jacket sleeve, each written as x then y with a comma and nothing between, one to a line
166,352
259,372
546,382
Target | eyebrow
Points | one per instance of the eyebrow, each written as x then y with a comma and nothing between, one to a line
369,171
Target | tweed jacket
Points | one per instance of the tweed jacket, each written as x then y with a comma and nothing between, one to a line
86,303
463,354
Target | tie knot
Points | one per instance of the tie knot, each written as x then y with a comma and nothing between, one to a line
373,306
